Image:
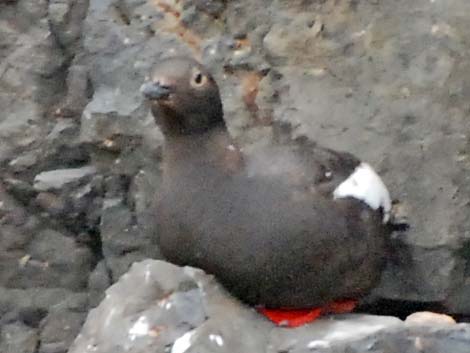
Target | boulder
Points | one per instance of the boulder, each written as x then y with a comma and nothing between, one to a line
159,307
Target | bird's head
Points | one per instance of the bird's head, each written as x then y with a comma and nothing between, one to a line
184,97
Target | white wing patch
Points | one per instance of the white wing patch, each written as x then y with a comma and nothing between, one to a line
217,339
140,328
183,343
364,184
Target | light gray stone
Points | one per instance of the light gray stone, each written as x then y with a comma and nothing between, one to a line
58,179
159,307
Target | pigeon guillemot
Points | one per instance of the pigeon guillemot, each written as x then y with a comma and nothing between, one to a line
289,227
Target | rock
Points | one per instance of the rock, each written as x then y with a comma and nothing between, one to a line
429,318
46,259
51,252
63,148
30,306
20,189
291,34
33,255
211,7
31,63
58,179
40,320
77,92
24,161
18,338
162,303
118,233
159,307
98,282
51,203
126,238
58,331
35,260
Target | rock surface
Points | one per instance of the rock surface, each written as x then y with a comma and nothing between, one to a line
387,81
159,307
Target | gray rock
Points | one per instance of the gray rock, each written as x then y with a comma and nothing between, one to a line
77,91
123,240
32,256
20,189
24,161
58,179
58,331
18,338
119,234
98,282
181,302
30,306
159,307
45,259
50,253
63,129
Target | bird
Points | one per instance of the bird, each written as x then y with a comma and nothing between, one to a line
292,229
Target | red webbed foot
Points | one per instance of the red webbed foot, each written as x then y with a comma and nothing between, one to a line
340,307
291,317
299,317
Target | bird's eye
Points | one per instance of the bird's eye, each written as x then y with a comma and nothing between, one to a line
198,79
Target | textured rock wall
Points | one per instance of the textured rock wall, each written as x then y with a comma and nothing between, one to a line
79,153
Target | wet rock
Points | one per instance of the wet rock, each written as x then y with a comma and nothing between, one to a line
159,307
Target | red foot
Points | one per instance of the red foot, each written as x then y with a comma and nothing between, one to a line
299,317
340,307
291,317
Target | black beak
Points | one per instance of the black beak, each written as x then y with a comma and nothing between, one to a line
155,90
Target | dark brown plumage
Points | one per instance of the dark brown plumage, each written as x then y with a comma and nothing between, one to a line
266,225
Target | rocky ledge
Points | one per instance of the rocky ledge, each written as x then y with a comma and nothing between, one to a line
159,307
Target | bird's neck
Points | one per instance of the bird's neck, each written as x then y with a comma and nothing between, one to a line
188,155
